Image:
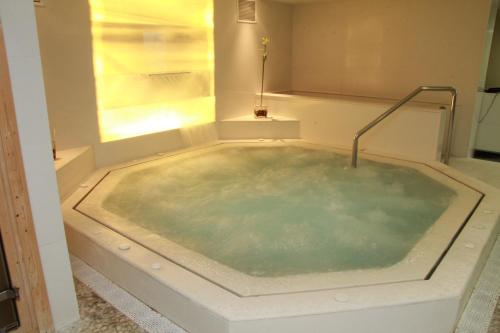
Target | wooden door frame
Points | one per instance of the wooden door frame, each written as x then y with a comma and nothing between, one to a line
16,221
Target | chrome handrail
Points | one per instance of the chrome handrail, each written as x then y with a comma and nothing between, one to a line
445,157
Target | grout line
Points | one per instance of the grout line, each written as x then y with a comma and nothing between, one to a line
148,319
480,308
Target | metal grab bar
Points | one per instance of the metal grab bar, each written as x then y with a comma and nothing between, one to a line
449,130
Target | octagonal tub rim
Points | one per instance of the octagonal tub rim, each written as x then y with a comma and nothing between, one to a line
218,309
417,264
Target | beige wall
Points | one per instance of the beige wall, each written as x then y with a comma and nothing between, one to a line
386,48
66,49
493,77
238,55
382,49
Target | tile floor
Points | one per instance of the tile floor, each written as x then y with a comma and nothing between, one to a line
488,172
482,312
97,315
495,321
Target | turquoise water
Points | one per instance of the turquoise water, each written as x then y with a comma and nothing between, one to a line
275,211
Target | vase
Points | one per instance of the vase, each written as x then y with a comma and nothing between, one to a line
260,111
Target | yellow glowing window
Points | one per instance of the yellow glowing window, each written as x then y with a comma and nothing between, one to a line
153,65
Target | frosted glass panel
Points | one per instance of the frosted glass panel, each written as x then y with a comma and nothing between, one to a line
153,65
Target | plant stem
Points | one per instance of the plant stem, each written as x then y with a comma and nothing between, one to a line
262,81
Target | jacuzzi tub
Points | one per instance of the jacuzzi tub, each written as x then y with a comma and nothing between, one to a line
420,290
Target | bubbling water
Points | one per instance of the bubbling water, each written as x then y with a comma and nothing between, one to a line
276,211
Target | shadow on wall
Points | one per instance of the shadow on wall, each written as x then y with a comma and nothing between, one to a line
66,49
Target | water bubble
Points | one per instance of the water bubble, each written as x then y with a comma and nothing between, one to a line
269,211
341,298
124,247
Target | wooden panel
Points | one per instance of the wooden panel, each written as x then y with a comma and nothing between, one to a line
16,222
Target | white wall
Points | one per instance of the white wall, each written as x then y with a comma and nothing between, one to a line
66,51
478,108
493,77
335,120
488,131
65,43
18,21
238,55
387,48
381,49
